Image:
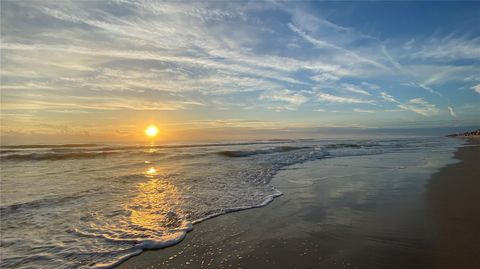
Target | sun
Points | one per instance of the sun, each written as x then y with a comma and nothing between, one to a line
151,131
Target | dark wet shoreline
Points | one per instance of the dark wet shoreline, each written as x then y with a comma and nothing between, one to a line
453,196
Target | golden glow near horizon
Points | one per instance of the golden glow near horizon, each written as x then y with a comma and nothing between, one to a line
151,131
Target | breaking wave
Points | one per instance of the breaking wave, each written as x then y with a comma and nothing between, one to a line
57,156
246,153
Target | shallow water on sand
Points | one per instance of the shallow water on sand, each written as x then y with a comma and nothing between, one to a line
351,212
96,205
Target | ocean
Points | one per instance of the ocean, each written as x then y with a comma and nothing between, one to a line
96,205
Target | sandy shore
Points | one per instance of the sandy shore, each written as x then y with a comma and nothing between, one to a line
351,212
454,198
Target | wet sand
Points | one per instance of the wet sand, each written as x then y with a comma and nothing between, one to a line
350,212
454,197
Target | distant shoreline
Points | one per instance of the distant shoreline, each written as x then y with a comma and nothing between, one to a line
472,134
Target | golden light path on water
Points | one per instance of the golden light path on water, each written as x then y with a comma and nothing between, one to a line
157,204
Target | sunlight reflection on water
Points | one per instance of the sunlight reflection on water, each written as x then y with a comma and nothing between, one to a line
157,204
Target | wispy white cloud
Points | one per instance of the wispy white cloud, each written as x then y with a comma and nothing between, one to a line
388,97
409,44
325,97
285,95
354,89
394,110
324,44
449,48
325,77
99,103
391,59
312,23
476,88
472,78
420,106
370,85
451,111
359,110
422,86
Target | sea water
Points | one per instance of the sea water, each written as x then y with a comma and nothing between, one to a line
96,205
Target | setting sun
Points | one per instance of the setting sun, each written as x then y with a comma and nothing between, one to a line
151,131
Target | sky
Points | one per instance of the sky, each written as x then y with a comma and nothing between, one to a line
104,70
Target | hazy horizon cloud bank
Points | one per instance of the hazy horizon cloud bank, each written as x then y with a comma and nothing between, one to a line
105,69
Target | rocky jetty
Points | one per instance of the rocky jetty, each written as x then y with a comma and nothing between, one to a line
475,133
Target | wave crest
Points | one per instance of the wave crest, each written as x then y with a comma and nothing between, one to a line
247,153
57,156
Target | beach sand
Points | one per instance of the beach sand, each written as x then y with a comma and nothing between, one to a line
351,212
454,198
